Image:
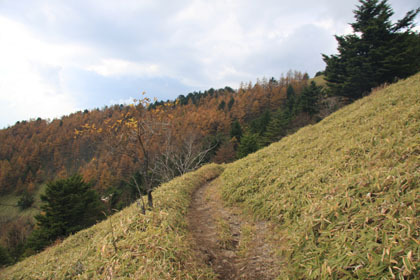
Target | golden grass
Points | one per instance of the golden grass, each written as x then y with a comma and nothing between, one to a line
151,246
320,80
345,192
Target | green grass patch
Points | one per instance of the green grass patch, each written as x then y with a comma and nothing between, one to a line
151,246
10,211
345,191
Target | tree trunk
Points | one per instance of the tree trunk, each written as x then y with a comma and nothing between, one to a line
150,198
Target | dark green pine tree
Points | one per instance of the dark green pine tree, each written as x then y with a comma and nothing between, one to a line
377,52
236,130
276,128
221,105
259,125
230,103
249,144
69,206
290,99
308,100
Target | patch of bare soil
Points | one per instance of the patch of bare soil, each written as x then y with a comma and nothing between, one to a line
234,245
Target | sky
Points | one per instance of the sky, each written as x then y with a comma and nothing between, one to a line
58,57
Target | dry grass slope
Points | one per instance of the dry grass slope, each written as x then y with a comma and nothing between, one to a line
345,192
320,80
151,246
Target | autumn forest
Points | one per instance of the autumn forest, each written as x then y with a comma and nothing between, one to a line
34,151
125,150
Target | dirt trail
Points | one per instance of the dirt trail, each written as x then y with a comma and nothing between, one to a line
232,244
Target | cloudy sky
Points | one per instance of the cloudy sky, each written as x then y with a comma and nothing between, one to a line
57,57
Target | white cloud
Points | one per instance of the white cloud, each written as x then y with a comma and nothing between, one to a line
57,56
118,67
29,76
126,101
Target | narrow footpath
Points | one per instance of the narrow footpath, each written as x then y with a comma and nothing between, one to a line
234,246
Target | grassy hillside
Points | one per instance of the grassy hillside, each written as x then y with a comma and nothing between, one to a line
345,192
9,209
151,246
12,217
320,80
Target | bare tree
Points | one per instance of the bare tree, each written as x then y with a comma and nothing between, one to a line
181,156
147,137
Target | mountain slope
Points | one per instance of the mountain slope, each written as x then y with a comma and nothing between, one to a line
345,192
128,245
35,152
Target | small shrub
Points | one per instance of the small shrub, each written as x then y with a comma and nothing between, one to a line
5,258
25,201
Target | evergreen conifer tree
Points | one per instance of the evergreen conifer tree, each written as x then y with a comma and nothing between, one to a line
276,128
259,125
230,103
249,144
222,105
291,98
309,98
236,130
25,201
70,205
377,52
